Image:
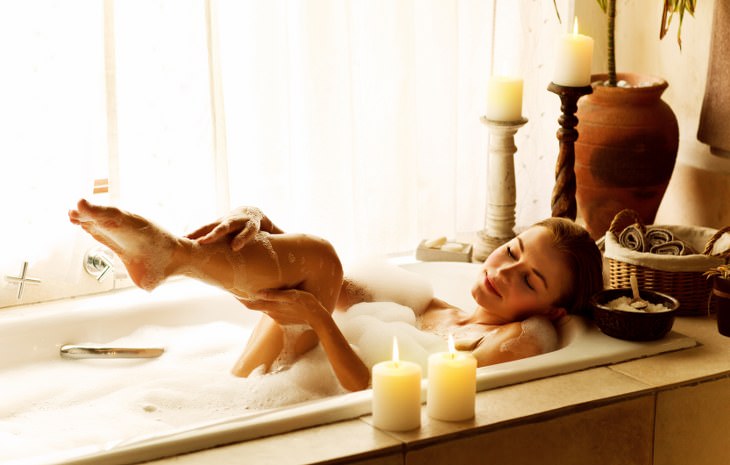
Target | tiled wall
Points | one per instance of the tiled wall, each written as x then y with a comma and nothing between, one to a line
693,425
619,433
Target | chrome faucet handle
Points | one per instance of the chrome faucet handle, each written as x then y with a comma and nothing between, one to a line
98,263
22,279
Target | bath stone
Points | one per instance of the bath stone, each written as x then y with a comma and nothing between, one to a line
435,243
390,283
452,247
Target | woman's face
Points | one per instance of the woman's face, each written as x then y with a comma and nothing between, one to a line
524,277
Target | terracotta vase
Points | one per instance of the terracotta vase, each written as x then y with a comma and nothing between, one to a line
721,298
625,152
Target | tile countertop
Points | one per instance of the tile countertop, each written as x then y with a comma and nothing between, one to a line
497,408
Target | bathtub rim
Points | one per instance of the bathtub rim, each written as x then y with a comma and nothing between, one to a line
335,408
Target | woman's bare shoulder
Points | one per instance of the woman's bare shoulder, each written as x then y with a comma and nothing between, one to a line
516,340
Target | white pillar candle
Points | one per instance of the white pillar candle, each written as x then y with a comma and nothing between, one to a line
451,385
504,99
396,403
574,58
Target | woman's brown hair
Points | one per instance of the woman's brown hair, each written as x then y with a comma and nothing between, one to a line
583,259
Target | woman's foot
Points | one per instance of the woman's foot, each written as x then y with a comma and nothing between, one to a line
145,249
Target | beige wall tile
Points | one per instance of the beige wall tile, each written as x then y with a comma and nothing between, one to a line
387,460
314,445
618,433
693,425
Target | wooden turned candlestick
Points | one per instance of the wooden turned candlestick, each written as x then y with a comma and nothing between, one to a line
500,221
563,202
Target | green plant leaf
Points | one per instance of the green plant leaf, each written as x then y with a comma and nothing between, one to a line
557,13
670,8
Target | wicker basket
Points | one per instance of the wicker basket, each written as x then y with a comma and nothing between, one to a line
679,276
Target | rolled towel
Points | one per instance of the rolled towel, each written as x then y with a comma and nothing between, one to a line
669,248
632,238
658,236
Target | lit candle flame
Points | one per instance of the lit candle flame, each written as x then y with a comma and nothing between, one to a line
575,26
395,351
452,346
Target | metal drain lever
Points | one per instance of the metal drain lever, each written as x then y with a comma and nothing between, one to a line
91,351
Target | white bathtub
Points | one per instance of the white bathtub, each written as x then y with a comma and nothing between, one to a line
30,369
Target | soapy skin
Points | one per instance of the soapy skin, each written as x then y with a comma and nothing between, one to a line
297,279
152,254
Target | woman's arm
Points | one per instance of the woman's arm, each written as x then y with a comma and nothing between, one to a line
294,306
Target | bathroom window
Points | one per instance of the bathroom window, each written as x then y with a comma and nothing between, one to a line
355,120
53,143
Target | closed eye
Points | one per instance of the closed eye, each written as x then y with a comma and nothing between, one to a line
510,254
534,270
527,282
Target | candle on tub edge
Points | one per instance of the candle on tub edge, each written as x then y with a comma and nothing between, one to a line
504,98
451,385
574,58
396,403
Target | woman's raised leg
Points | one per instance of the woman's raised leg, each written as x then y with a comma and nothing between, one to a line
280,261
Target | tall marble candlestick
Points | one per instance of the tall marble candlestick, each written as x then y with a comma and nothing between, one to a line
500,222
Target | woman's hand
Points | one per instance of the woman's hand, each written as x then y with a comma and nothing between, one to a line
243,224
288,306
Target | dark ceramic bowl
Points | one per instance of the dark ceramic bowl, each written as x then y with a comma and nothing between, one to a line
633,326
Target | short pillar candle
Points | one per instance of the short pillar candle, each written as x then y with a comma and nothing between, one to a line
574,58
396,404
451,385
504,99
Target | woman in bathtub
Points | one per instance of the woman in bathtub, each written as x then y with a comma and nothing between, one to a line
297,281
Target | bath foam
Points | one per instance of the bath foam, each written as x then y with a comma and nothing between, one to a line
189,384
262,238
390,283
155,263
370,327
287,356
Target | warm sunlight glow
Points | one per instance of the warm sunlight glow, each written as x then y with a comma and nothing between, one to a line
575,26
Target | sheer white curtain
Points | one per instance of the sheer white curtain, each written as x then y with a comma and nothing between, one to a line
357,120
165,160
52,128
